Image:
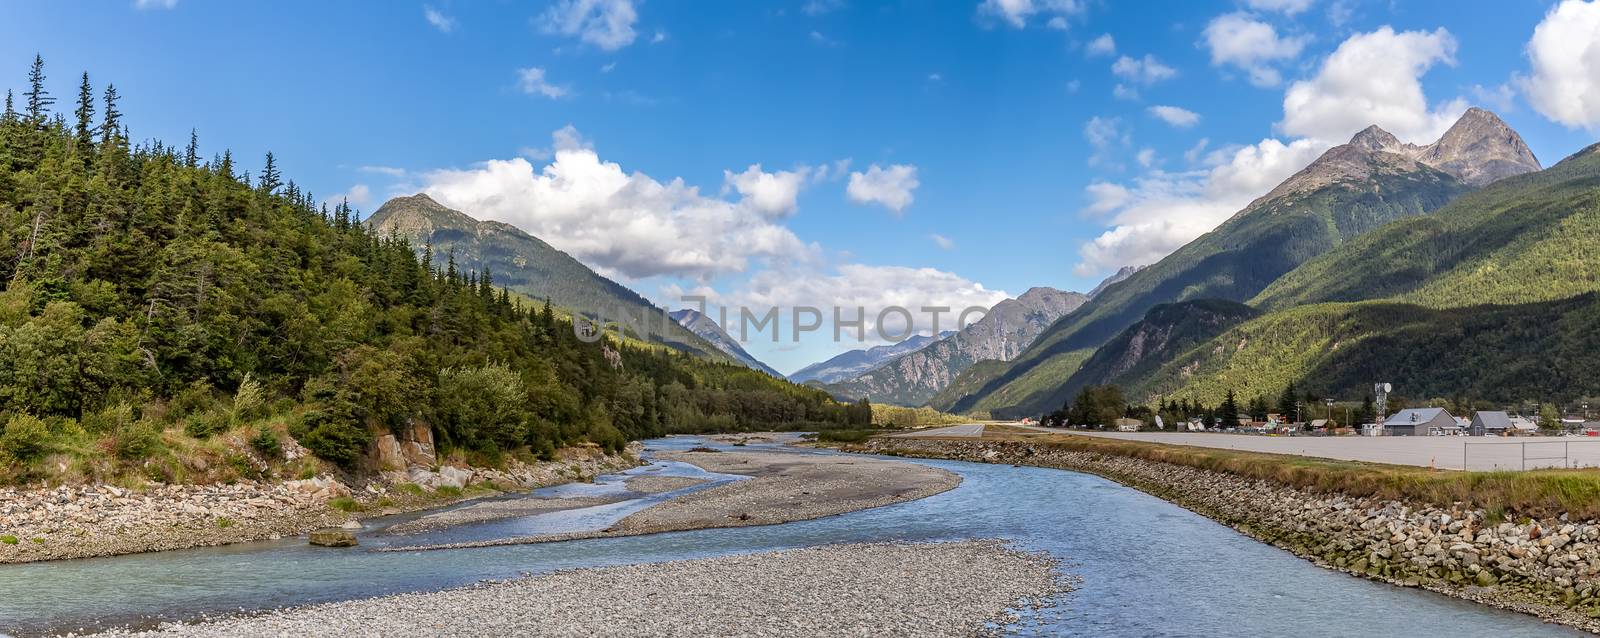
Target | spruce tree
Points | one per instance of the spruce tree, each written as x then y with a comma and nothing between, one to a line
191,154
39,99
271,179
84,131
111,120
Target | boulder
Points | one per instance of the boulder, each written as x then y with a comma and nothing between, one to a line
333,537
387,453
416,445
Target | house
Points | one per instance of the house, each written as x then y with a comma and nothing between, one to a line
1419,422
1487,423
1129,425
1521,425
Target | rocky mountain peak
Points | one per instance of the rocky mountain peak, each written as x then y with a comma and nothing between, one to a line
1374,138
1480,148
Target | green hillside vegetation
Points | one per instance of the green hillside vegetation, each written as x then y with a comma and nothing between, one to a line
1142,349
528,265
1033,387
1540,352
968,382
159,310
1524,239
1234,262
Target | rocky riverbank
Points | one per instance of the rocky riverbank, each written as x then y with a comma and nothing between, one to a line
926,589
782,488
105,520
1549,568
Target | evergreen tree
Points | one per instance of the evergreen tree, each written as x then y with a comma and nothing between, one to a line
1228,411
191,153
84,131
1288,402
111,120
39,99
271,179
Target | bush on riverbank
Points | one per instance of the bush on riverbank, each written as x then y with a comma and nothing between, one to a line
1530,494
846,436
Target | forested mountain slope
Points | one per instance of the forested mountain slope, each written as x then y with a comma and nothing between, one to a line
1350,190
154,300
530,266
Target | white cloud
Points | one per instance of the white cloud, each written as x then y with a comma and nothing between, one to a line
1176,116
439,20
822,40
1105,135
608,67
889,187
944,243
1124,92
1017,12
871,288
1146,71
621,223
1147,157
1163,211
1239,40
773,194
532,81
1193,154
607,24
391,171
1103,45
358,195
1565,57
1373,78
1286,7
155,4
659,37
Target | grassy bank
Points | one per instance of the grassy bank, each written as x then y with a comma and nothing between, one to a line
1512,495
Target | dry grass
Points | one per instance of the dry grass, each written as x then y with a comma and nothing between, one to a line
1530,494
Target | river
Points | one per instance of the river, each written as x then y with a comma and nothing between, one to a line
1147,567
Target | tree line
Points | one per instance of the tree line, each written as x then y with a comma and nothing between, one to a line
151,294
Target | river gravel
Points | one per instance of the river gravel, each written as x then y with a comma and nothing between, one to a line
881,589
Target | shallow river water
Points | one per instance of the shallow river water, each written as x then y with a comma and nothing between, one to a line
1147,567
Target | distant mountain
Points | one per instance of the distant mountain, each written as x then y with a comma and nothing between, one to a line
1008,328
849,364
528,265
708,329
1348,191
1121,274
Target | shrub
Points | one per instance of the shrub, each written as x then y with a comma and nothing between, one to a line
204,425
265,443
344,504
845,436
333,439
248,399
198,397
109,419
25,439
8,539
137,441
607,436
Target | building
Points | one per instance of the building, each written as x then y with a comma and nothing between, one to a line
1521,425
1128,425
1486,423
1419,422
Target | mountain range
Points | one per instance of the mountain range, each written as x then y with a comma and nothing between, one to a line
528,265
847,365
708,329
1004,332
1371,219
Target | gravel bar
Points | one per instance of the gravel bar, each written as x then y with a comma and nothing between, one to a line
881,589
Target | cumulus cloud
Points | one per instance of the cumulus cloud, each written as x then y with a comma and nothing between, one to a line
621,223
532,81
1176,116
1564,54
1163,211
607,24
1239,40
1373,78
772,194
438,19
868,288
889,187
358,195
1103,45
1286,7
1143,71
1017,12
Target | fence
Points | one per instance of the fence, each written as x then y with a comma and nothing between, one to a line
1536,454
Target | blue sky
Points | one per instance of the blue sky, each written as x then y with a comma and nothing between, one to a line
1029,128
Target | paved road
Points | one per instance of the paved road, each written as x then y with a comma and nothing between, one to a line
970,430
1444,452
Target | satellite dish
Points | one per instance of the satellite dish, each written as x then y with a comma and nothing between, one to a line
1388,388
